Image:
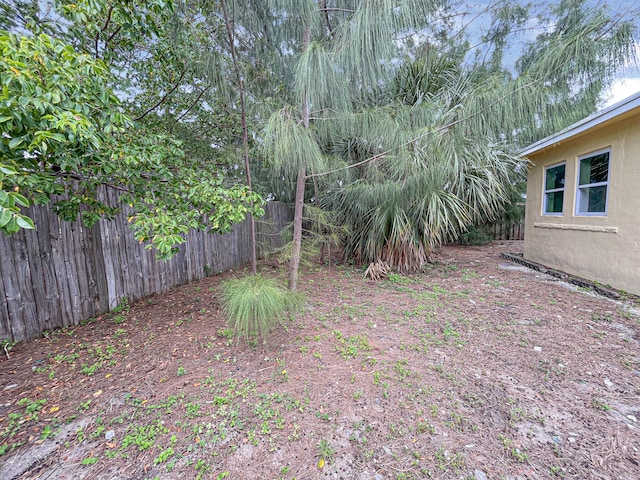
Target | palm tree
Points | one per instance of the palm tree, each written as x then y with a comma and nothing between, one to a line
407,136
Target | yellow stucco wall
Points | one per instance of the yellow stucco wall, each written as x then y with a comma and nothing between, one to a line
601,248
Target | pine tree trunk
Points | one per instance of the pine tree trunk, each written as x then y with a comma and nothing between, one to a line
296,248
297,228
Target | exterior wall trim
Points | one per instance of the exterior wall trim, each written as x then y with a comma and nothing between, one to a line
584,228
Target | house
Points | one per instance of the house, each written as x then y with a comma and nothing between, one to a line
583,198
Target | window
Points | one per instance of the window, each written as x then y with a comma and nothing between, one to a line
554,189
593,183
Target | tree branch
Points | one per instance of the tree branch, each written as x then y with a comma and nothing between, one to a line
104,27
245,132
189,108
115,32
333,9
164,97
323,8
435,130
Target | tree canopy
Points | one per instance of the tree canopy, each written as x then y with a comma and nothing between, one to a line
65,133
409,132
403,119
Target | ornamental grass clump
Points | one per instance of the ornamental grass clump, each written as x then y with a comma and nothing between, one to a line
255,304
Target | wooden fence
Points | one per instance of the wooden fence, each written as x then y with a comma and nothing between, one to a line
504,230
63,273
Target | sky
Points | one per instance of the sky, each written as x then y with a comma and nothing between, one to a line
623,88
628,82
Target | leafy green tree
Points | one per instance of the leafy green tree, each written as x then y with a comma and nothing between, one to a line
63,132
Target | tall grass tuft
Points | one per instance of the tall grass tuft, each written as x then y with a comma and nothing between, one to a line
255,304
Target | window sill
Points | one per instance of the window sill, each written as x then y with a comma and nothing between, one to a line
584,228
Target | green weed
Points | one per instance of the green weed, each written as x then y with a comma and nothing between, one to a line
325,450
600,405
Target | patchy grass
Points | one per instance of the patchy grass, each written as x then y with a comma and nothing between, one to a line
467,367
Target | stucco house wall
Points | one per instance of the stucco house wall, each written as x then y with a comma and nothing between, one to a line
604,248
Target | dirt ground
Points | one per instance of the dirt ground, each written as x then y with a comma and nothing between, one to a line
475,369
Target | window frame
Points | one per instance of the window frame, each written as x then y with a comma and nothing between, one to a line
579,187
545,192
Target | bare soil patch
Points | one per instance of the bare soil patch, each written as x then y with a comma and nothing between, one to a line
475,369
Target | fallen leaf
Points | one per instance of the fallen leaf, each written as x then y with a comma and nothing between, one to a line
108,375
111,444
321,463
98,393
54,409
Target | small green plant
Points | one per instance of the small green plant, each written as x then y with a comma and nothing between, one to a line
445,460
192,410
517,414
397,278
203,468
89,461
123,306
325,450
600,405
164,456
255,304
7,344
402,369
225,333
142,436
510,447
468,275
424,427
47,432
281,374
181,371
17,420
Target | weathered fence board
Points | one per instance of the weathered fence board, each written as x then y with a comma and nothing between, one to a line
508,231
15,323
5,326
63,273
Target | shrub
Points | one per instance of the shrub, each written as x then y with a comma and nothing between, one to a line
476,235
255,304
